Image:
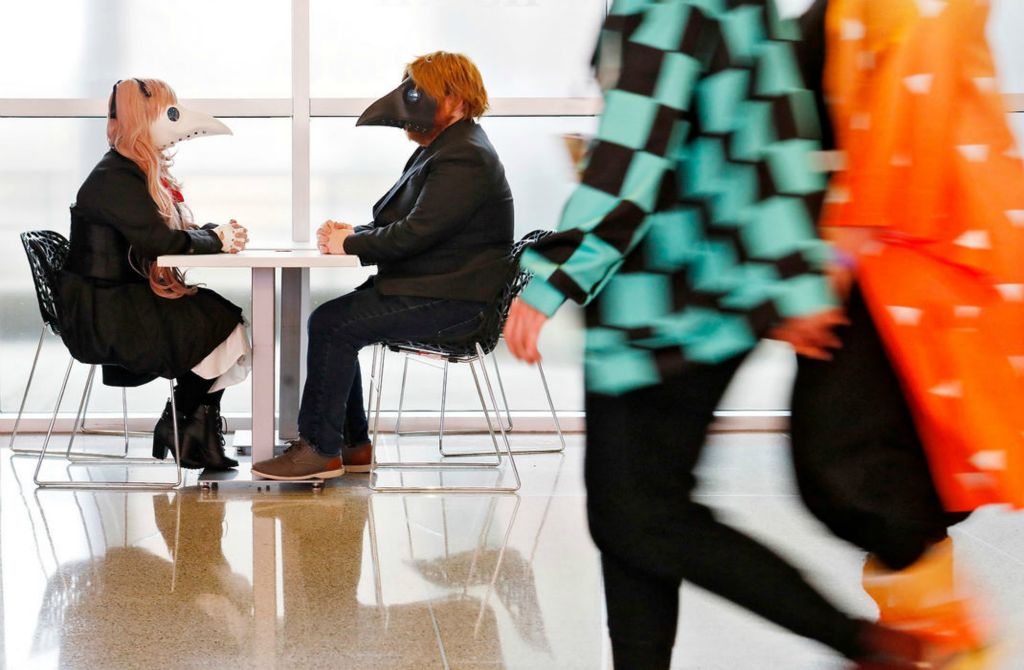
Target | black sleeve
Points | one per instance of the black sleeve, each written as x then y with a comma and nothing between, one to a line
123,201
453,190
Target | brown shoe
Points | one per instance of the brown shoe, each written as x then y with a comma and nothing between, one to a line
299,461
357,458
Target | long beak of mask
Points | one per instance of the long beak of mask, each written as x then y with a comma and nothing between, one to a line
177,124
405,107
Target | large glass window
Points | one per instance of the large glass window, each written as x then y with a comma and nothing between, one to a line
234,51
223,49
524,48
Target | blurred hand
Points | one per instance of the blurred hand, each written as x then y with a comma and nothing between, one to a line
522,330
233,236
841,277
330,237
812,335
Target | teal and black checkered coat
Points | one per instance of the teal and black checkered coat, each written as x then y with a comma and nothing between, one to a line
693,231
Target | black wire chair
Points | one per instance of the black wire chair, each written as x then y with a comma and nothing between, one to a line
472,349
47,252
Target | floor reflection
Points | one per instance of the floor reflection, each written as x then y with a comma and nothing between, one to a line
342,578
349,579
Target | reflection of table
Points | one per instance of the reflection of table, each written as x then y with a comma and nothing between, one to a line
263,264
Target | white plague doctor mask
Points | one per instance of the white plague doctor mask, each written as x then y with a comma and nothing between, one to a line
175,123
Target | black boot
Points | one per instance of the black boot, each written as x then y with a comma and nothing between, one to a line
191,434
210,452
163,432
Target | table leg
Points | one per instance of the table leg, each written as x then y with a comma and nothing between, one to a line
263,372
294,311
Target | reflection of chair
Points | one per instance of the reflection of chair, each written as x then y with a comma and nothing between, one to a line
54,247
455,572
471,349
47,252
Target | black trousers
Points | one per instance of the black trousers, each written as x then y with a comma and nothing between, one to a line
859,462
641,451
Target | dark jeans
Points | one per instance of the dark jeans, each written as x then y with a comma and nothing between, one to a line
641,451
332,414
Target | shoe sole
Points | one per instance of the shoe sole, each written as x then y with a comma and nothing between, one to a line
327,474
358,469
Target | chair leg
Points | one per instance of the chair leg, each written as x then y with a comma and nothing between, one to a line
444,405
401,396
111,485
501,387
82,404
504,399
554,413
28,385
483,404
554,416
441,467
124,415
53,421
376,383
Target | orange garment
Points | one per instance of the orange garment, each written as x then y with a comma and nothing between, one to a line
933,169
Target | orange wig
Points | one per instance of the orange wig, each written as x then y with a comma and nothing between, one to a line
442,74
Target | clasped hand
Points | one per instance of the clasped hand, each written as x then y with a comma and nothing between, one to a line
331,236
233,236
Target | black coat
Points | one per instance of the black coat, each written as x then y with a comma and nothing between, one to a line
445,229
108,313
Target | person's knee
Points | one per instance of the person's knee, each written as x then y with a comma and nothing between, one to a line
329,320
320,322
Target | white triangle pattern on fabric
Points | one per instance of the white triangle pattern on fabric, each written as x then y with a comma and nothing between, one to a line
1018,364
837,196
967,311
975,153
975,480
1011,292
906,316
851,29
860,121
951,389
919,83
974,239
989,460
902,160
931,8
985,84
1016,217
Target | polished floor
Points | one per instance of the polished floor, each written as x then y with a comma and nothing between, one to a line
343,578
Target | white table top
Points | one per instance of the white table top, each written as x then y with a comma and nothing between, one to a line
259,258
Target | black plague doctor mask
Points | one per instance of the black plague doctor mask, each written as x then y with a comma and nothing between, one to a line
405,107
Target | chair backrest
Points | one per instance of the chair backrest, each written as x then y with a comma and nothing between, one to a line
497,312
47,252
489,331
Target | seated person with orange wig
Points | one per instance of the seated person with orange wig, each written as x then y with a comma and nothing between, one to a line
440,239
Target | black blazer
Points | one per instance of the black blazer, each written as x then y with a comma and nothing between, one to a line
108,313
114,212
445,229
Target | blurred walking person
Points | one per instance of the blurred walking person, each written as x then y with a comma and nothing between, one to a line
927,212
691,237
